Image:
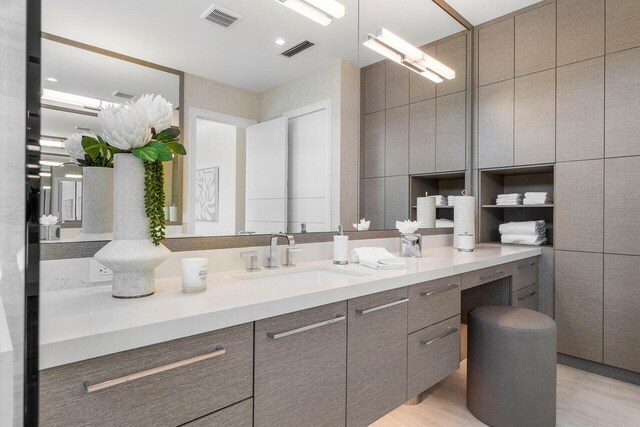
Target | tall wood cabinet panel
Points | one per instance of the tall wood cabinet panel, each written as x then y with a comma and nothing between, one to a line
579,206
621,203
622,311
421,89
374,144
535,118
580,111
579,299
495,125
373,201
300,378
580,30
496,52
453,53
451,132
422,136
373,88
397,141
238,415
376,356
622,104
623,21
535,40
397,85
396,200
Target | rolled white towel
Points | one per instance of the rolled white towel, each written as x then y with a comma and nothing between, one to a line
444,223
533,228
378,258
523,239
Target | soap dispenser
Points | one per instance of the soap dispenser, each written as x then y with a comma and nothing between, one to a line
341,247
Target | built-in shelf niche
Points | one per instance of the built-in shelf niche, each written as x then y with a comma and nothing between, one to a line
514,180
444,184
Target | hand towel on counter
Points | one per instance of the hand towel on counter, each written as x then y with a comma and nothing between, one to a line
537,198
378,258
524,239
532,228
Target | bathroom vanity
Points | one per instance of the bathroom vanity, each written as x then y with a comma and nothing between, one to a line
309,345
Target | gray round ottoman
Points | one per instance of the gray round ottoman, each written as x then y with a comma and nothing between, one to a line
511,367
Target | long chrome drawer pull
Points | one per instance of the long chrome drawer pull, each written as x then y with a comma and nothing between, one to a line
279,335
437,291
446,334
529,294
382,307
219,351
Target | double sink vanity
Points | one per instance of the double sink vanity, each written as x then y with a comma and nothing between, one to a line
315,344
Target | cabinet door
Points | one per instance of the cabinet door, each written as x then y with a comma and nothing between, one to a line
374,145
433,301
526,298
300,368
377,356
373,88
397,142
453,53
622,311
536,40
495,125
496,52
238,415
422,136
396,200
621,218
579,304
451,132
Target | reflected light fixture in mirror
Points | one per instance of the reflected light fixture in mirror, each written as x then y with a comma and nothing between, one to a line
75,100
320,11
404,53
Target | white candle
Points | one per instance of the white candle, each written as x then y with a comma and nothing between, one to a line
194,274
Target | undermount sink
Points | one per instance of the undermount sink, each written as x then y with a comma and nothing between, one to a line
300,277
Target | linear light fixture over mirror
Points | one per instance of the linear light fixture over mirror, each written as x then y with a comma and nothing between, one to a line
404,53
320,11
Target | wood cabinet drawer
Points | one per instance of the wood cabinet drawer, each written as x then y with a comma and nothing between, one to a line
485,275
526,297
377,356
163,384
525,273
433,354
433,301
300,368
238,415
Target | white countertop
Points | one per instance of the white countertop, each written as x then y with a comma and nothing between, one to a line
78,324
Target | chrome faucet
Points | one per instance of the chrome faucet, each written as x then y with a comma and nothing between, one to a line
272,259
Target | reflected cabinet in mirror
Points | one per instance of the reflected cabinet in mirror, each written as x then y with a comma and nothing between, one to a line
293,119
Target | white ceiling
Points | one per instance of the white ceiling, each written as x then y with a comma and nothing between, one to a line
480,11
170,33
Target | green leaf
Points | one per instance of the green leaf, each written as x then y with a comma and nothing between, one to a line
177,148
169,134
164,153
146,153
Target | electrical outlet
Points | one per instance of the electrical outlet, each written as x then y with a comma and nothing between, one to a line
99,273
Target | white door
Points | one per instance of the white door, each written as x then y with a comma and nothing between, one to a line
309,171
266,188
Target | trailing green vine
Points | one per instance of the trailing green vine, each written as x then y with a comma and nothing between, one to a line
154,200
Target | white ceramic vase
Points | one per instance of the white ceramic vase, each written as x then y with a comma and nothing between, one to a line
131,254
97,203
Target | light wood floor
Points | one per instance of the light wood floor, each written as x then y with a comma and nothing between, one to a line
584,400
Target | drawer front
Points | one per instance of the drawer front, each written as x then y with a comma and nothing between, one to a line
526,297
300,363
432,302
434,354
377,356
478,277
525,274
163,384
238,415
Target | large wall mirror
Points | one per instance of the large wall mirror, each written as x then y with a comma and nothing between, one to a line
294,119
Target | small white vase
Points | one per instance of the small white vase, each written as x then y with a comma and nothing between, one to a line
131,254
97,203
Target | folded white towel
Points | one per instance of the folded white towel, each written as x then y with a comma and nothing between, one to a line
379,258
510,196
444,223
527,201
542,194
532,228
523,239
508,202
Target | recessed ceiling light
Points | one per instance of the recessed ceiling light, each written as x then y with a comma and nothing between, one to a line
51,79
45,174
280,42
46,187
50,163
51,143
73,175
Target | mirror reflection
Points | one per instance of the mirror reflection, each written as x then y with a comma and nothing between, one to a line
293,119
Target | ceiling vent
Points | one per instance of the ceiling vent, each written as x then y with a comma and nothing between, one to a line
297,48
124,95
220,16
83,129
